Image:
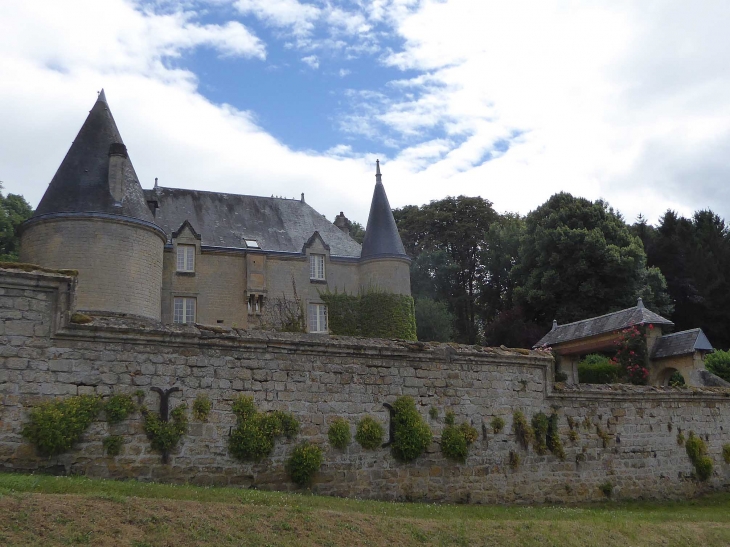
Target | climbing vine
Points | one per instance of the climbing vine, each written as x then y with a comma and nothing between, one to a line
163,435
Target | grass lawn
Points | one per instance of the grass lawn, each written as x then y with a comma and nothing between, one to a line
49,511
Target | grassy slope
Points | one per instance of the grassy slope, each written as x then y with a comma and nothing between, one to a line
49,511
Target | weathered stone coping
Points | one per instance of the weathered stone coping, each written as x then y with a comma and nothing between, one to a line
629,392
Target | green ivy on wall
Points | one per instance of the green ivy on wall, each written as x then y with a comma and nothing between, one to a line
373,314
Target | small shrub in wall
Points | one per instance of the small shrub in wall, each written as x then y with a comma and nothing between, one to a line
113,445
339,433
606,488
553,441
201,407
369,433
455,441
497,424
412,434
697,452
164,436
726,453
522,429
304,462
55,426
118,408
540,428
255,433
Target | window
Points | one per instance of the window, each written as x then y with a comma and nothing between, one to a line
316,266
184,311
317,318
186,258
255,303
251,243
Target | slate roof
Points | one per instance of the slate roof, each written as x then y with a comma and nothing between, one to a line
381,234
81,183
681,343
225,220
638,315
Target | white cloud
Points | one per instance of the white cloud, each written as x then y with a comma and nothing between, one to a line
297,16
312,61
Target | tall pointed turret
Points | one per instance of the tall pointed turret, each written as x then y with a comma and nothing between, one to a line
381,235
96,175
383,261
94,218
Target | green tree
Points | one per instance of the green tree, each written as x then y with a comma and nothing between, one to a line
434,321
357,232
718,362
454,227
579,259
14,210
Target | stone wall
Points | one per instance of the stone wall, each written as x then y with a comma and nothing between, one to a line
319,378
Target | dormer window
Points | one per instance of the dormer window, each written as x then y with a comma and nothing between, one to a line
316,267
186,258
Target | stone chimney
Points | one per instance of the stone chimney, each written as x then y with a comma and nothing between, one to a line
342,223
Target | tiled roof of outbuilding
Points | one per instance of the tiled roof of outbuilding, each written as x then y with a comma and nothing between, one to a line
638,315
681,343
225,220
81,184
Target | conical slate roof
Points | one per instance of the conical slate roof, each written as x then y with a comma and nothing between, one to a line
81,184
381,235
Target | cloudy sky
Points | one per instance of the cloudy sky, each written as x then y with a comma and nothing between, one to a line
513,101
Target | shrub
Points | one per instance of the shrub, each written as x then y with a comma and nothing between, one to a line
433,412
373,314
339,433
718,363
369,433
455,441
540,427
680,438
677,380
255,433
113,445
726,453
598,369
522,429
434,321
164,436
632,354
118,407
606,488
55,426
412,434
573,435
304,462
602,435
497,424
201,407
697,452
553,437
450,418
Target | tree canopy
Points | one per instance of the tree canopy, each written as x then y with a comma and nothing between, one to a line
14,210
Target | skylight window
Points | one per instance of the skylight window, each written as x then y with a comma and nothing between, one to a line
252,243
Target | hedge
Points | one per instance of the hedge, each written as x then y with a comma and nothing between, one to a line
373,314
598,369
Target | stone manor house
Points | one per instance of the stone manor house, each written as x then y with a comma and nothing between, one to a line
190,256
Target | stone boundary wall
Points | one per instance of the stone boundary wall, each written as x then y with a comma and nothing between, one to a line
319,378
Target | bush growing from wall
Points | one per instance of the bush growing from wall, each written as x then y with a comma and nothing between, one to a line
118,407
339,433
455,441
369,433
598,369
522,429
540,428
373,314
304,462
697,452
255,433
553,441
164,436
412,434
112,445
201,407
55,426
497,424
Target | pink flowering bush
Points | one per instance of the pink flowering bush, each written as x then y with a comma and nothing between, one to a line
632,354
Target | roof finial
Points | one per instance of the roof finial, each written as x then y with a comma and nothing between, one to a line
640,303
302,200
155,182
101,97
377,172
555,324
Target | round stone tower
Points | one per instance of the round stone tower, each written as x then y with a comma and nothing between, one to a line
384,264
94,218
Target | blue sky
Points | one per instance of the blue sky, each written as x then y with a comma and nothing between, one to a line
625,101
